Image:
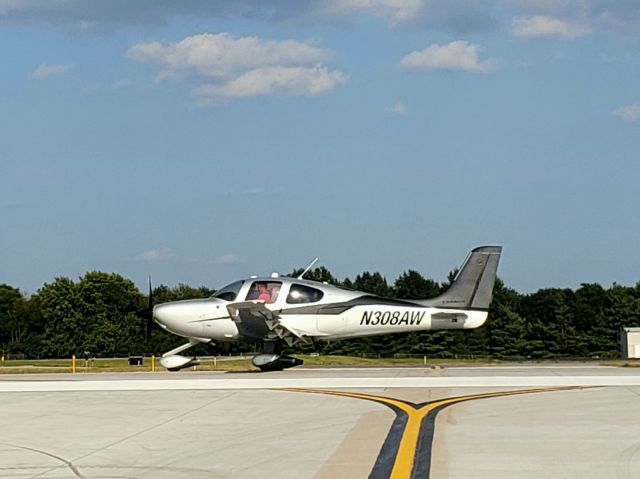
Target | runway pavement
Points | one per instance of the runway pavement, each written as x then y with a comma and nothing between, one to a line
482,422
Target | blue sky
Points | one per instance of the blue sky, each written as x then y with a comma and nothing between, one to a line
206,141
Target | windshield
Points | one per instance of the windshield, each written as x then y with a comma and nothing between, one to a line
229,292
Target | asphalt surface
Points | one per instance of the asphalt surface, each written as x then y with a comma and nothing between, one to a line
534,421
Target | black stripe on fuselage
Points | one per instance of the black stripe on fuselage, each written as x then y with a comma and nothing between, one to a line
339,308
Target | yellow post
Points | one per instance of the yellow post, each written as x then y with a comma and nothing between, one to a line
2,360
73,364
153,363
424,360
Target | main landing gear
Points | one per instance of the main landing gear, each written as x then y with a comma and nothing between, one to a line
275,362
271,358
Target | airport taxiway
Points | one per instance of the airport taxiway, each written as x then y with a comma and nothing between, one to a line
526,421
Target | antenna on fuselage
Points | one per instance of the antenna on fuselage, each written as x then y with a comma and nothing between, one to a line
308,268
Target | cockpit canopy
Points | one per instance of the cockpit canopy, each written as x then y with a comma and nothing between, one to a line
268,291
229,292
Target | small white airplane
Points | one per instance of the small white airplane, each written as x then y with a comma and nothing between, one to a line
280,310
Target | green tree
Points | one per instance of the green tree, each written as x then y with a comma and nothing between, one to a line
373,283
108,303
64,331
623,311
97,315
590,306
31,315
321,274
550,318
412,285
505,329
164,294
11,330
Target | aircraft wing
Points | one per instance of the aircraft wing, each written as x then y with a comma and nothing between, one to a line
257,322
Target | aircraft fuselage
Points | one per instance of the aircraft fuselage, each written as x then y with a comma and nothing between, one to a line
278,311
209,318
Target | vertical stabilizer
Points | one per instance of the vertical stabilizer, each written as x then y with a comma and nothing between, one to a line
472,288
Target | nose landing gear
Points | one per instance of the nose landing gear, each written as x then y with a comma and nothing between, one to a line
174,362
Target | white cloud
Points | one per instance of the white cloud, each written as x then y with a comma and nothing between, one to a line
398,109
460,16
454,15
628,112
95,16
155,255
540,26
222,55
622,16
7,6
242,67
227,259
457,55
276,80
46,71
397,12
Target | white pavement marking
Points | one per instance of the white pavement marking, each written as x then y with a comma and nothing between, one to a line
447,367
498,367
318,383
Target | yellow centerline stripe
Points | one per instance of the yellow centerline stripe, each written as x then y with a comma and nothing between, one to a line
403,465
456,399
404,460
379,399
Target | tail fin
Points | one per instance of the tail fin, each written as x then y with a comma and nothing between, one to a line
472,287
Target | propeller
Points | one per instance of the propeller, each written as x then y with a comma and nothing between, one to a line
147,314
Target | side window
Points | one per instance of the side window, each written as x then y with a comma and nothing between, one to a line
264,291
303,294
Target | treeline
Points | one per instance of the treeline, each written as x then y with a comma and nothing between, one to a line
98,314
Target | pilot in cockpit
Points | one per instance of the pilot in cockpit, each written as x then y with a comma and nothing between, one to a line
263,293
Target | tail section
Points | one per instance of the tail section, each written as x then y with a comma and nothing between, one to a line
472,287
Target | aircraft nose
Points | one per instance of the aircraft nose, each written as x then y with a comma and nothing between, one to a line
162,315
185,318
